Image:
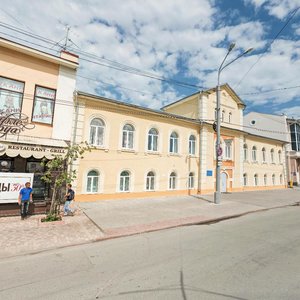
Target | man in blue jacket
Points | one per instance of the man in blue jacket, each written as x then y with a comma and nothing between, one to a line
25,196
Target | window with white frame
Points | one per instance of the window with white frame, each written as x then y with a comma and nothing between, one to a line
172,181
92,181
124,181
228,149
97,132
265,179
254,154
263,150
272,156
127,137
245,152
273,179
191,180
279,157
150,181
255,179
192,145
280,178
230,117
11,96
173,142
152,139
223,116
43,105
245,179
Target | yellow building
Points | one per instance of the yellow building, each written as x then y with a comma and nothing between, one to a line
141,152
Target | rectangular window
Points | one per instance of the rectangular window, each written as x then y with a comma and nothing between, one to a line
172,183
191,181
228,149
295,136
43,105
11,96
173,145
192,147
150,183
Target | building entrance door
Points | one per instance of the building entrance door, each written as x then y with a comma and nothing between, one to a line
223,182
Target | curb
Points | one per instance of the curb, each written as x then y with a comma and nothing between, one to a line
168,226
152,227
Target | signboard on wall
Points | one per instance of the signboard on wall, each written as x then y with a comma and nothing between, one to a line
11,184
209,173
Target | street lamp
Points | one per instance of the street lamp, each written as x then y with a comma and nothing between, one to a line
217,195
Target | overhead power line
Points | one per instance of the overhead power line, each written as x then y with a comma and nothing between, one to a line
270,91
269,45
100,60
117,86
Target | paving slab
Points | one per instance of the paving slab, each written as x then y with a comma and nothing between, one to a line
18,237
106,219
126,217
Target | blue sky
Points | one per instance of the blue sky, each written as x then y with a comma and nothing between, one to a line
178,42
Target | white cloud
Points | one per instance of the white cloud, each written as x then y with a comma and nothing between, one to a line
291,112
158,36
276,8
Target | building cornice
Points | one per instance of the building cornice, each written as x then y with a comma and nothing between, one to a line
39,54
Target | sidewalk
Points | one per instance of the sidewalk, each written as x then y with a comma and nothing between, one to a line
118,218
108,219
19,237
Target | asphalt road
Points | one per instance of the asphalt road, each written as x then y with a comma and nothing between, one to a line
253,257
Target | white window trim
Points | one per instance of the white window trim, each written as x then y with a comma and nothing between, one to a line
85,181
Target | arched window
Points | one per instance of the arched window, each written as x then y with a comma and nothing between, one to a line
92,181
192,145
191,180
124,181
265,179
223,116
280,178
97,132
230,117
272,156
255,179
152,139
127,137
245,152
254,154
245,179
150,181
263,150
172,181
273,179
173,142
279,157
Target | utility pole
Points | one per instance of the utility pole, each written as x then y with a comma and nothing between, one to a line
217,194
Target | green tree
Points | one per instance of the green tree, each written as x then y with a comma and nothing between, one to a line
59,172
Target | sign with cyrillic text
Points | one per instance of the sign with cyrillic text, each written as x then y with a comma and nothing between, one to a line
11,184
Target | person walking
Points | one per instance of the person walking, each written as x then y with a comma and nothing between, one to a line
70,195
25,197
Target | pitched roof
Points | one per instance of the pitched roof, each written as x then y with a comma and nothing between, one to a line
225,87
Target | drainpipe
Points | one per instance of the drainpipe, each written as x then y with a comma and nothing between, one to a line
73,140
200,129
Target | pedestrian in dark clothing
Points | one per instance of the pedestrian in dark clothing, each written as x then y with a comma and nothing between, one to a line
70,195
25,197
